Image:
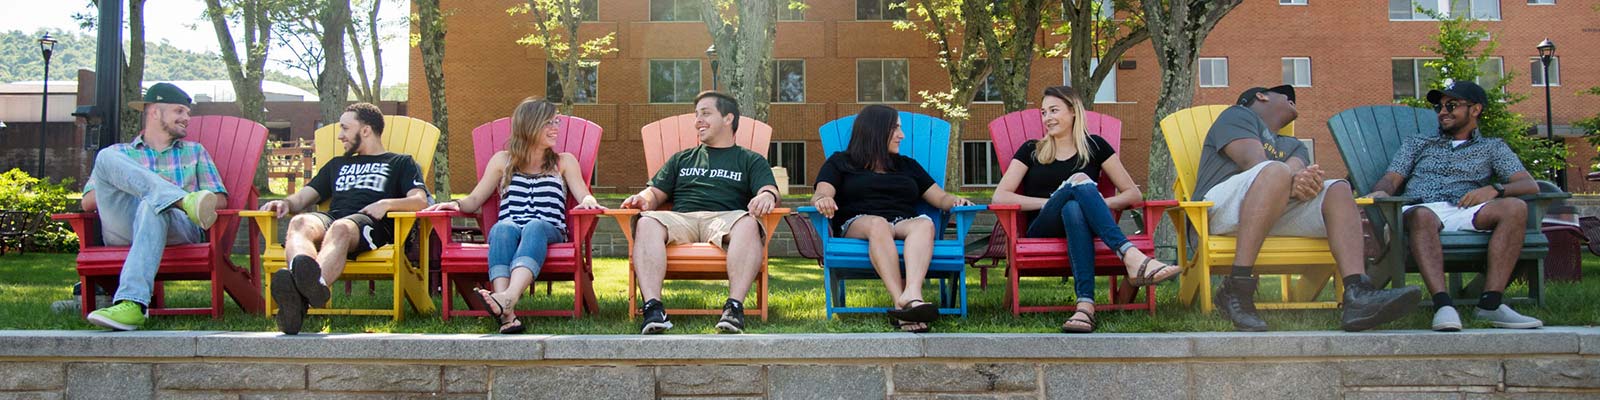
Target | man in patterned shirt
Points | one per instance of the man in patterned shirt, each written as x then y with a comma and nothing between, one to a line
154,191
1457,176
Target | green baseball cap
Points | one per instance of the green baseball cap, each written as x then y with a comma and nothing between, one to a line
163,93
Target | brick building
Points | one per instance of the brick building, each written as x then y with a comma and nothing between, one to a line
1343,53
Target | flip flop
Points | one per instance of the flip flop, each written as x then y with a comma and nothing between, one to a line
1088,320
909,326
512,327
1142,279
925,312
493,305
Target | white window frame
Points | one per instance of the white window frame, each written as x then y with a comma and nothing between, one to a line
1107,93
1444,7
784,8
804,84
988,154
1291,2
885,79
651,73
775,150
1311,149
594,100
1201,81
1536,71
977,92
1293,65
651,15
884,5
1541,2
1416,72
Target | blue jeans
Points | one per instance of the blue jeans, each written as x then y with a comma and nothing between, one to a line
513,245
136,210
1077,211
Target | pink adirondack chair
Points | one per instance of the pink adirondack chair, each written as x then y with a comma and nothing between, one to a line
235,145
1048,256
464,265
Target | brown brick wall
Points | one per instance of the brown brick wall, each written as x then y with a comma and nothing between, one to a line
1350,44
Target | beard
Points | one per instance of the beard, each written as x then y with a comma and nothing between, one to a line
353,148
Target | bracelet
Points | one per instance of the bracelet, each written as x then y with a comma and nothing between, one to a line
774,194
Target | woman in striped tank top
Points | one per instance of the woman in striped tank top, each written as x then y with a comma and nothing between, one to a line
532,181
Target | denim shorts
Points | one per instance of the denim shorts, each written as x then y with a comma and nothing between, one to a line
845,227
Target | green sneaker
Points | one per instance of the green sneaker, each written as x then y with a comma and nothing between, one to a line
124,316
201,207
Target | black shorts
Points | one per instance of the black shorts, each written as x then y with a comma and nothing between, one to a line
372,234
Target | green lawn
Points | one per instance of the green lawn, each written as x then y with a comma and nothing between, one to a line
30,283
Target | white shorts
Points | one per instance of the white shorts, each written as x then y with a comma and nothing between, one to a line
1451,217
1300,218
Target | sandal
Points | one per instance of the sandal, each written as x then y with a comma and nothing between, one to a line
1142,278
925,312
1087,327
493,305
514,326
910,326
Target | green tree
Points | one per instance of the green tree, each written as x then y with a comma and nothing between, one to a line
555,29
1097,36
430,23
743,32
962,23
1012,47
1457,45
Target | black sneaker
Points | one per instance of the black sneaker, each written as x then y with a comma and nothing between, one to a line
291,305
732,317
1366,307
308,280
655,318
1235,300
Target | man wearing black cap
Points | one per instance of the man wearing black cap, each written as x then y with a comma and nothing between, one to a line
1457,175
1246,165
151,192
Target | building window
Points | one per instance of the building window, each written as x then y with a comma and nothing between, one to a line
882,81
1536,70
1541,2
1213,72
1297,71
978,166
1311,150
674,81
588,82
1406,10
1411,75
1292,2
790,156
789,81
675,10
789,14
988,91
1108,87
588,10
880,10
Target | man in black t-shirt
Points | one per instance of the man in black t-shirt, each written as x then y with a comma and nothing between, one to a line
362,187
1262,184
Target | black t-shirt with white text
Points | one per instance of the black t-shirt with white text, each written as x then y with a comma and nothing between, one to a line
350,183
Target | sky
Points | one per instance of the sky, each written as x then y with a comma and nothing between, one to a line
180,23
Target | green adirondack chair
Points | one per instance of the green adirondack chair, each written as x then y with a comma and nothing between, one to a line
1368,137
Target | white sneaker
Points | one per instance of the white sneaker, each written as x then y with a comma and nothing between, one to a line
1505,317
1446,319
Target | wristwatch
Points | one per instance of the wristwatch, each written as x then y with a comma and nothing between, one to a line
1499,190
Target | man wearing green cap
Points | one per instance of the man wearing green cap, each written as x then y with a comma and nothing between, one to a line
151,192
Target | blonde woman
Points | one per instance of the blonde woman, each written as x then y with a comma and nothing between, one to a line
1053,178
533,182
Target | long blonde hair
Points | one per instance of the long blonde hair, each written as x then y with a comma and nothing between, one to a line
1045,151
527,124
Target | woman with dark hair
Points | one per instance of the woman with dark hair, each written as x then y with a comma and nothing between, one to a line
877,192
1054,177
533,181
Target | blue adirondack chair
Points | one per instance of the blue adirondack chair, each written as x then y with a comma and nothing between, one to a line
844,259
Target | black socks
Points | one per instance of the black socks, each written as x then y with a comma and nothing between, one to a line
1489,300
1442,300
1242,271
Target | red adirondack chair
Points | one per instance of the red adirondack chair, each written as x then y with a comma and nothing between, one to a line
464,265
235,145
1048,256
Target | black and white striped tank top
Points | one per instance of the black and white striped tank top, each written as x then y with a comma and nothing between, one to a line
535,196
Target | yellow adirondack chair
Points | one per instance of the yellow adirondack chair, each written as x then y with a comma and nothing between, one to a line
1310,258
401,134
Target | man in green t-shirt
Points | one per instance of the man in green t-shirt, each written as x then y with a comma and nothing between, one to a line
719,191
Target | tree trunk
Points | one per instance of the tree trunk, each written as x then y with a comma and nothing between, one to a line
332,83
133,69
1014,59
744,52
432,30
368,90
246,75
568,69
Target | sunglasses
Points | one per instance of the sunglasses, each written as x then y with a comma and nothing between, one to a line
1450,106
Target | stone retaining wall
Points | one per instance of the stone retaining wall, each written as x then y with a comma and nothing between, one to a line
1551,363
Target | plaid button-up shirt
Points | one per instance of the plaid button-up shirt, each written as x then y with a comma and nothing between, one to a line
185,164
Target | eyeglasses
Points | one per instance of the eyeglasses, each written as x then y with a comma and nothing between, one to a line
1450,106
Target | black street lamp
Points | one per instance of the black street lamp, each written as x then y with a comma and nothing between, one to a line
47,45
711,53
1547,52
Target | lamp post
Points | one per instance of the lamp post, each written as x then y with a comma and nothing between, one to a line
47,45
711,53
1547,53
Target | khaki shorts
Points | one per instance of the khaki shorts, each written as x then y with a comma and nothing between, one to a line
1300,218
699,226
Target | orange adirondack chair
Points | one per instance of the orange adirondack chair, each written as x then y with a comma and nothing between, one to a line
1048,256
235,145
466,264
698,261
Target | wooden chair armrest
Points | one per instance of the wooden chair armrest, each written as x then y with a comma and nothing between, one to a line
624,217
267,221
819,223
83,225
964,216
769,222
439,221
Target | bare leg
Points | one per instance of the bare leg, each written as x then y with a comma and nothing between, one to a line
1422,238
342,235
744,256
305,231
1508,218
650,256
1265,201
880,249
1343,221
918,238
509,290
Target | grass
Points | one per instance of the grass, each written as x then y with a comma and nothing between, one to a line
30,283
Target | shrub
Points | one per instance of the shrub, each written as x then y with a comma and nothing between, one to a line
22,192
